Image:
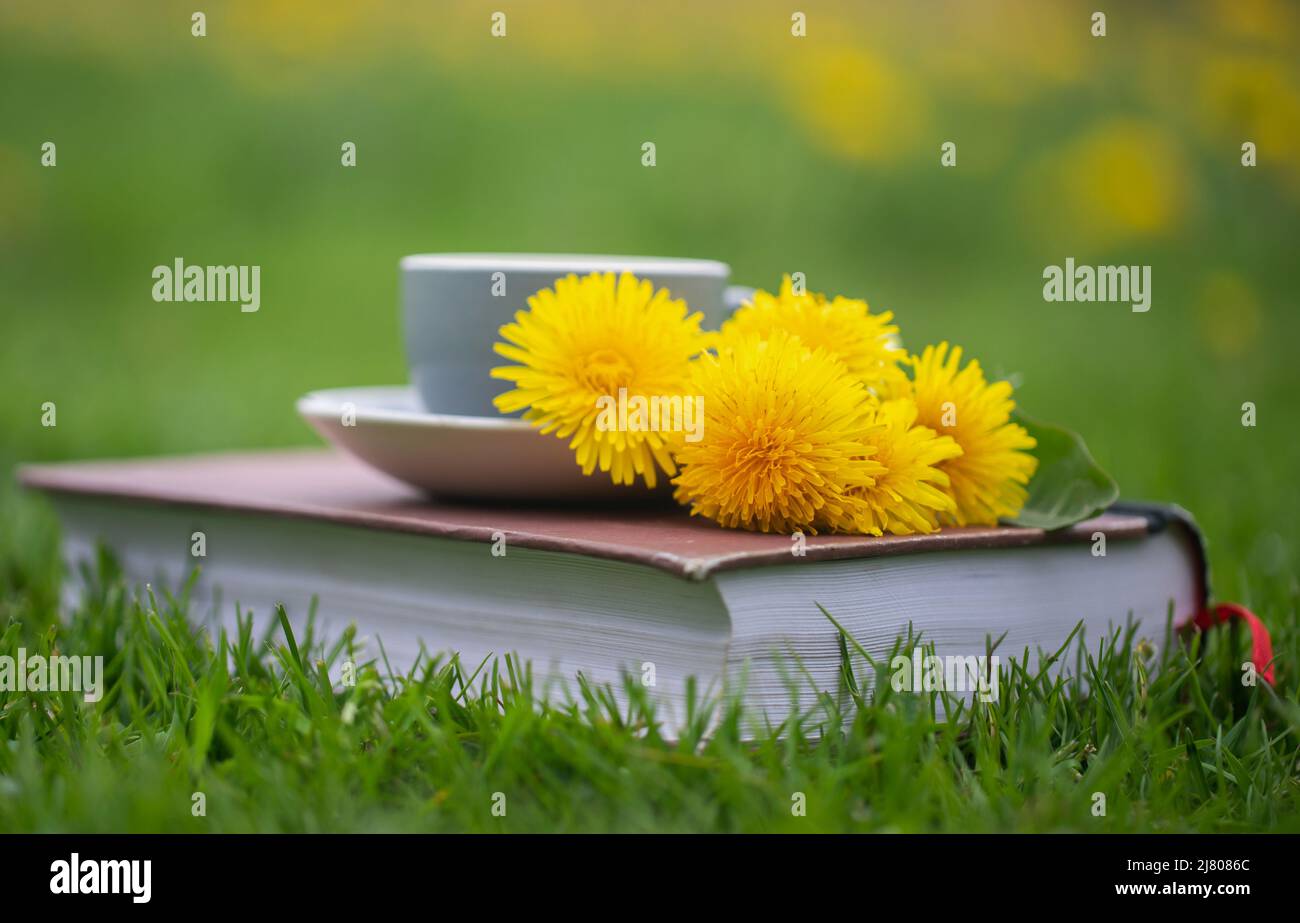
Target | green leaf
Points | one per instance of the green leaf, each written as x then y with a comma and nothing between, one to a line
1069,485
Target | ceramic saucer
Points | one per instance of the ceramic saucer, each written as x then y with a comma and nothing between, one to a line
493,458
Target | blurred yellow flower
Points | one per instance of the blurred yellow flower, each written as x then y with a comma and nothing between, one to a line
856,104
304,32
1003,52
988,479
1228,315
593,340
1120,180
845,327
1274,22
1249,98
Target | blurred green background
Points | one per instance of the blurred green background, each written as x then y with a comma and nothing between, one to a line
774,153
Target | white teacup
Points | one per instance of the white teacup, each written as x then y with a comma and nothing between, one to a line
454,304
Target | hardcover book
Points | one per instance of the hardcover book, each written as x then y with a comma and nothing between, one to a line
610,590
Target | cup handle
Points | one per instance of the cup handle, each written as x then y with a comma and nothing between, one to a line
733,296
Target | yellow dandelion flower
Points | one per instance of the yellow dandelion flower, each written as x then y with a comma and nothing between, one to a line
913,490
781,447
593,341
988,479
845,327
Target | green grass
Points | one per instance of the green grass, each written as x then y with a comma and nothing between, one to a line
225,150
263,726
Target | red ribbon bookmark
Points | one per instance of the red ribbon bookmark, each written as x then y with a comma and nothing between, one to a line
1261,645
